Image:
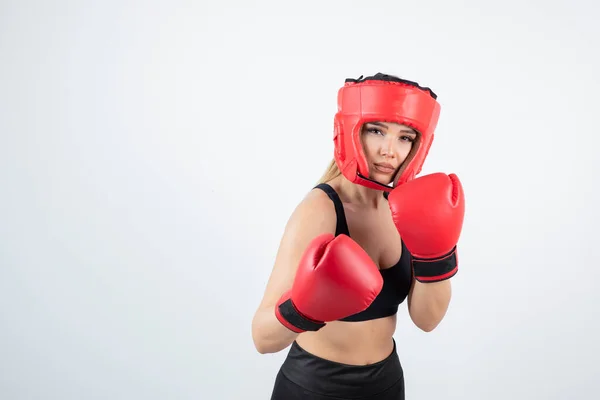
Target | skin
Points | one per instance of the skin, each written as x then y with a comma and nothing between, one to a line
386,146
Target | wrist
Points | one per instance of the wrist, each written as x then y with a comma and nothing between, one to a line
429,269
290,317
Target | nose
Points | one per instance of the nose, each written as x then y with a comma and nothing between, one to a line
387,148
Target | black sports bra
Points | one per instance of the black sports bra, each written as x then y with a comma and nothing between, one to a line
396,279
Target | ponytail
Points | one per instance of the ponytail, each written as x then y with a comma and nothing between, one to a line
331,172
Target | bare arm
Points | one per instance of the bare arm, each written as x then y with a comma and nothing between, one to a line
313,216
428,303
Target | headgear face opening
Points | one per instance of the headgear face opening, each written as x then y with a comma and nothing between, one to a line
382,98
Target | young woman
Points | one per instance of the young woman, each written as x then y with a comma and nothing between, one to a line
369,236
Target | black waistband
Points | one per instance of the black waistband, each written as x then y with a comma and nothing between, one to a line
326,377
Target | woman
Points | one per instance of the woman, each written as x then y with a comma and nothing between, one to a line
369,236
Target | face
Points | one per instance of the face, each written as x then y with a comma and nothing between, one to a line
386,146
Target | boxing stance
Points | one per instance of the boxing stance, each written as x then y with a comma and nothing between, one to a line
369,236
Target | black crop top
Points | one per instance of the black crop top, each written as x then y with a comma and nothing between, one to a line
396,279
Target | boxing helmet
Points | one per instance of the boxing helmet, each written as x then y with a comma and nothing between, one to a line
382,98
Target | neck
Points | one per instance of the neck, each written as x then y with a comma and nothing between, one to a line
359,194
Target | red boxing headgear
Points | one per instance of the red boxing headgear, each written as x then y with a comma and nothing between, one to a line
382,98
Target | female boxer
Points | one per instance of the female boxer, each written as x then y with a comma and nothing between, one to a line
369,236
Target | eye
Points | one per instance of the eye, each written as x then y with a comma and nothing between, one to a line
374,131
407,138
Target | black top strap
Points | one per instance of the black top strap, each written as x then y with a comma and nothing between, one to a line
341,225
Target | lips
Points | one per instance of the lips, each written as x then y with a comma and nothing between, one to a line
384,168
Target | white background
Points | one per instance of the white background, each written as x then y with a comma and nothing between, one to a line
152,151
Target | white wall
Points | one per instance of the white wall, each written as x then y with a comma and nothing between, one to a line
151,152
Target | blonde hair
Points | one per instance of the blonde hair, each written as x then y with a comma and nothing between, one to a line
331,172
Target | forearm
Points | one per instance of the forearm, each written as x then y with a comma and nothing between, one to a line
429,303
268,334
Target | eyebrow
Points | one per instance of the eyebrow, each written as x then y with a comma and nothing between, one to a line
408,130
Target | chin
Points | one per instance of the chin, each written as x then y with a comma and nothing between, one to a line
383,178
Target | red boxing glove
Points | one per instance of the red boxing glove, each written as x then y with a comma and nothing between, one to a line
429,212
336,278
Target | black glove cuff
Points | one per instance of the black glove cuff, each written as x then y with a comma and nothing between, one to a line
294,318
428,270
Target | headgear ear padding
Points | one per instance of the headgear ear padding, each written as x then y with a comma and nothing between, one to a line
382,98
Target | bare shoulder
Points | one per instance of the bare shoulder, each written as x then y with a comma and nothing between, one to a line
313,216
